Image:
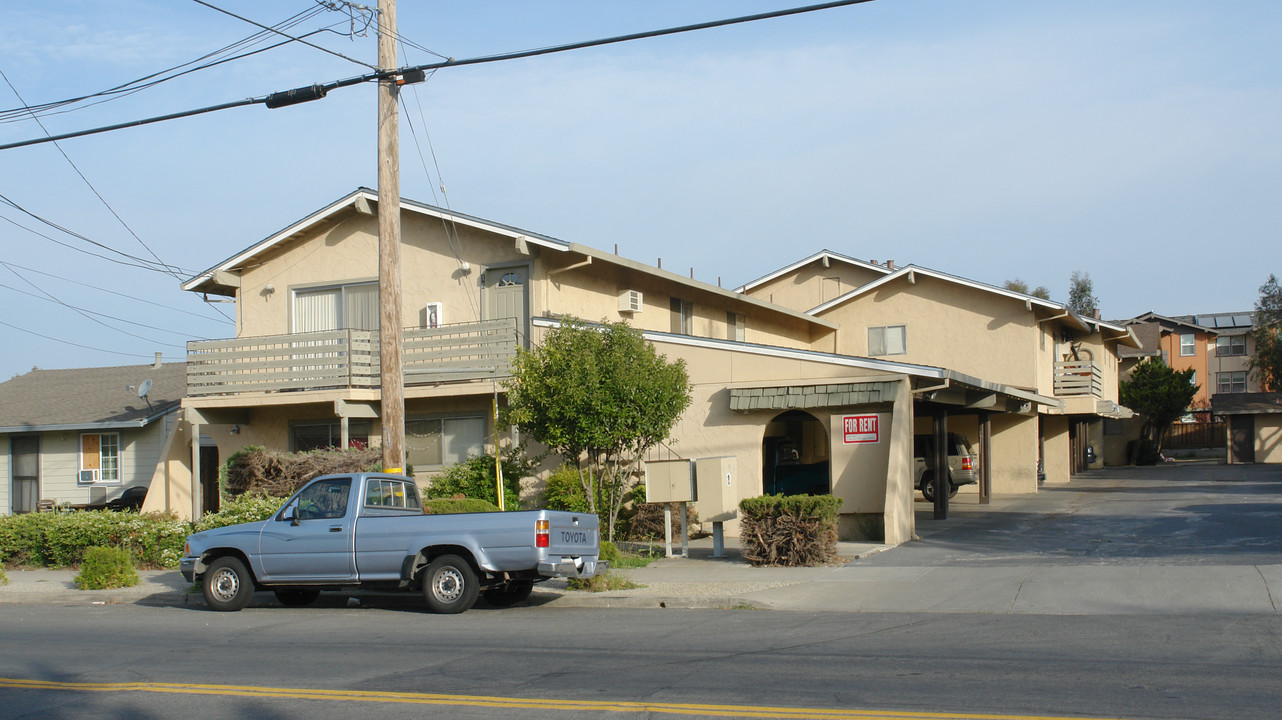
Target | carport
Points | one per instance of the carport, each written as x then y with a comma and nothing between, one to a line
1255,425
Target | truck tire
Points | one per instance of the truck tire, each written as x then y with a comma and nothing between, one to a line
509,593
928,488
227,585
450,585
297,598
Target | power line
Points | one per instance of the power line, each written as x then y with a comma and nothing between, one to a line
99,314
291,37
318,91
109,291
68,342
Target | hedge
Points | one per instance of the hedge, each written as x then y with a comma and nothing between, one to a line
792,530
451,506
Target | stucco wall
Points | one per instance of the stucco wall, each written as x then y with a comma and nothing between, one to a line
814,284
1056,449
1268,438
946,325
1014,448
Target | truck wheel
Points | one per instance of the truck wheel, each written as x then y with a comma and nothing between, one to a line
450,585
297,598
509,593
928,487
227,585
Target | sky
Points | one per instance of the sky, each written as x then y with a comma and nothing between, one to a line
1137,142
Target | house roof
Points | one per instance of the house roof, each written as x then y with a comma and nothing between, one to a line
101,398
1230,323
1149,335
215,279
1185,322
1246,403
825,256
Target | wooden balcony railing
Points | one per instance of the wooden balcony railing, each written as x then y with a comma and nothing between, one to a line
340,359
1078,377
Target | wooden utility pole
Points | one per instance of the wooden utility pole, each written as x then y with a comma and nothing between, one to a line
391,365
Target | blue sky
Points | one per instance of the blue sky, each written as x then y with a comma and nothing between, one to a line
1135,141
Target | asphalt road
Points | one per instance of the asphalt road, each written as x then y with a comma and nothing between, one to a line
540,662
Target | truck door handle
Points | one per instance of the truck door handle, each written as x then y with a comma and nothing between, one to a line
336,528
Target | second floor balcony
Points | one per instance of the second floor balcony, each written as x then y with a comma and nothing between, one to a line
342,359
1076,378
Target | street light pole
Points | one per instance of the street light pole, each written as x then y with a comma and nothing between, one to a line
391,365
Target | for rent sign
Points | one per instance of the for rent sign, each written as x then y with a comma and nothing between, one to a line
860,429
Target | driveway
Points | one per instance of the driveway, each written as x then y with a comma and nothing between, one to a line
1172,514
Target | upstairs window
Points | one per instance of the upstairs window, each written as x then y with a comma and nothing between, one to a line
1188,345
1230,345
682,317
887,340
736,327
339,307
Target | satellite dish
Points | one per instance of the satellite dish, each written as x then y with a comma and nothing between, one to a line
143,389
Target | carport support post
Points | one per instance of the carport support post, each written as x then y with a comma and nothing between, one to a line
941,464
985,452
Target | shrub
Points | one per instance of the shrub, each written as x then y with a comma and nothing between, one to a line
601,583
564,491
792,530
60,539
451,506
4,578
250,507
646,523
474,478
256,469
105,568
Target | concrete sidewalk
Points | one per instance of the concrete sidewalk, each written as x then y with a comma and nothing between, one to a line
1124,541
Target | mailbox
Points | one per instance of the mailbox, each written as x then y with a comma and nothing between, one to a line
718,494
668,481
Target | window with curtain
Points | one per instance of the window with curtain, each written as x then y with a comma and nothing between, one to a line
888,340
341,307
434,441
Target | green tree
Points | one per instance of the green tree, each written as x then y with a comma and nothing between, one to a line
1161,395
1081,294
1020,286
1266,361
600,396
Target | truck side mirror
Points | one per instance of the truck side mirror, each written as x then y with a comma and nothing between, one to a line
292,514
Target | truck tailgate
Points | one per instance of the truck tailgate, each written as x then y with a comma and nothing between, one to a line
572,534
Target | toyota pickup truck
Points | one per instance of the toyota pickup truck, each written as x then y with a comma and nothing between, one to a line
368,531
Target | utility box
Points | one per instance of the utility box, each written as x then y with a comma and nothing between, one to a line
669,481
718,494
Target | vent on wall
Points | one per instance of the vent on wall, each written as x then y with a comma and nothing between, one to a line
630,301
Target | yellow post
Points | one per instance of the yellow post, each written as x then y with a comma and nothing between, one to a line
498,465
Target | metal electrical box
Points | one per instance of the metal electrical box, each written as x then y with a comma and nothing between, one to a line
668,481
718,494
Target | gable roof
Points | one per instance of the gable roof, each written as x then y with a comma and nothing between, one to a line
213,280
1186,322
90,398
825,256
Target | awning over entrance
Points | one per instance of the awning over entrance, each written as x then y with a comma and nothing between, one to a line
800,397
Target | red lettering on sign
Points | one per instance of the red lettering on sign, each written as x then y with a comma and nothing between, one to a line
860,429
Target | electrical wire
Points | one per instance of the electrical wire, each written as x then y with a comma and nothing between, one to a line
156,78
211,6
167,268
319,90
68,342
109,291
138,262
182,333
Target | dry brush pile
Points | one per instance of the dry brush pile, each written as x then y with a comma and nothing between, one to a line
255,469
792,530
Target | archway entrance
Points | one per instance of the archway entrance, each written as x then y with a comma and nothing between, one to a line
795,457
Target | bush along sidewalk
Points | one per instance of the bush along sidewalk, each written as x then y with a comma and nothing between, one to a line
106,568
790,530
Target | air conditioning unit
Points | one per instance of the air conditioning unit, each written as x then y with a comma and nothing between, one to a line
88,477
630,301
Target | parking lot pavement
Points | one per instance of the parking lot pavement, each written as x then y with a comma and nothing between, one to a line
1177,538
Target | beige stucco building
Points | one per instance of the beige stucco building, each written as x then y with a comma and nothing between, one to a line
783,362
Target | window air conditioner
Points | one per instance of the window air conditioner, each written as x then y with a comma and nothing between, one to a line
630,301
88,477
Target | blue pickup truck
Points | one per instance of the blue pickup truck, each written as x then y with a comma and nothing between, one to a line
368,530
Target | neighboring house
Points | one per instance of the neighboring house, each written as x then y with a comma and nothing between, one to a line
82,437
1182,344
303,370
1255,425
922,316
1228,364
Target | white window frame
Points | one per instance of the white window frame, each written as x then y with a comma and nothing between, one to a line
342,308
1230,382
878,339
1188,344
110,453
